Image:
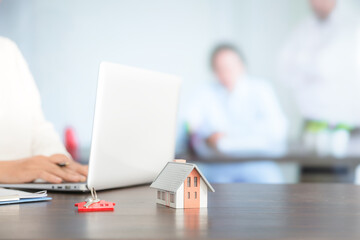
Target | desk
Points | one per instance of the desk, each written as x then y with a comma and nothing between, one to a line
340,169
246,211
303,159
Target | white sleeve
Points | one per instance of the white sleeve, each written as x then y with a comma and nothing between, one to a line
268,134
45,140
290,68
201,122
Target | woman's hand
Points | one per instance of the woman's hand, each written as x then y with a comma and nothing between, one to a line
41,167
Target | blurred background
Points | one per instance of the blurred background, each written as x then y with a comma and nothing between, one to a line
305,53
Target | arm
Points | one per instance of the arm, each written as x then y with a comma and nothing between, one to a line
45,141
46,147
39,167
203,121
266,135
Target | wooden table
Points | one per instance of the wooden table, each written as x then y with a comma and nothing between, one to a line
312,168
303,159
242,211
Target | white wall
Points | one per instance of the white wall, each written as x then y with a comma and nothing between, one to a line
179,201
203,194
64,41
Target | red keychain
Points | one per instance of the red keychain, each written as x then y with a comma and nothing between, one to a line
95,207
94,204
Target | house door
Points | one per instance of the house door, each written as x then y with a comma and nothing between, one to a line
192,190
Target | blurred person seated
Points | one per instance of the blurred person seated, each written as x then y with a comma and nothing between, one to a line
320,63
30,149
238,115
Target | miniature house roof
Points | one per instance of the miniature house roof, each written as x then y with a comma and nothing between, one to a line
174,174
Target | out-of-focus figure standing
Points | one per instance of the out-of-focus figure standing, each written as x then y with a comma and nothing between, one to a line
320,62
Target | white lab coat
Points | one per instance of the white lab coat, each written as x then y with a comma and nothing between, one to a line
249,116
321,63
24,132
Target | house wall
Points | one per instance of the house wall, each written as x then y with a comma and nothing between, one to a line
173,205
189,191
179,198
203,193
159,201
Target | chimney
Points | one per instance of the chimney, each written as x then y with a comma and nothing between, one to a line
180,160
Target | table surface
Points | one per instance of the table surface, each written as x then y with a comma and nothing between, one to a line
246,211
302,159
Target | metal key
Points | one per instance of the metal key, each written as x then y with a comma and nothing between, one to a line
91,200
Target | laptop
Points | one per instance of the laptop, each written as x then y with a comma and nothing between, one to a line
133,131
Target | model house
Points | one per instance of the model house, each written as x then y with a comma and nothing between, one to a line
181,185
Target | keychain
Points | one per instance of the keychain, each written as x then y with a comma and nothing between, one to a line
94,204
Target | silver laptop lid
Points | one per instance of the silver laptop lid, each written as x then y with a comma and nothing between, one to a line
134,126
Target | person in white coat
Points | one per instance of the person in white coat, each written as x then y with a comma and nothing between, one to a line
320,63
238,115
30,149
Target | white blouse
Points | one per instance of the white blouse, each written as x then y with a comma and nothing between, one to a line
24,132
250,117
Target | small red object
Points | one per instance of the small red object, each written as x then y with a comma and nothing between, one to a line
72,143
96,207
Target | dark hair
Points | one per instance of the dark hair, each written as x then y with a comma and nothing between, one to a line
222,47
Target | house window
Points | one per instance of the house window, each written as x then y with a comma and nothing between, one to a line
195,195
195,181
172,198
163,196
188,195
158,194
189,181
